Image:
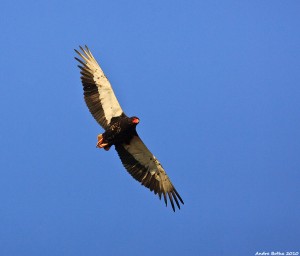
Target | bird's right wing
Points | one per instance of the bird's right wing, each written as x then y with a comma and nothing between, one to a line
145,168
98,93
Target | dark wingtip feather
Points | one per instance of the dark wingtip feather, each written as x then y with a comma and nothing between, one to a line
175,198
177,194
171,200
77,51
165,198
82,63
81,48
88,52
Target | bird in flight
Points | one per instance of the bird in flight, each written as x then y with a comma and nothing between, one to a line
120,131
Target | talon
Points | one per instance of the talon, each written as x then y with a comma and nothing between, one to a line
100,143
100,138
103,145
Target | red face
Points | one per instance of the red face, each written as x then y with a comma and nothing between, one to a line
135,120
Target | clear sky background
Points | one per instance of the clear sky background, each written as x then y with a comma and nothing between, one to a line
216,85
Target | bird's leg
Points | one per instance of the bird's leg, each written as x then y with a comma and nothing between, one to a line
100,143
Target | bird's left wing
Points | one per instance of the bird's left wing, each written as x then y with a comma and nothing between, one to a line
144,167
98,93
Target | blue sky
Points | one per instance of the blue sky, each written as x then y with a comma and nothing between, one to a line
216,87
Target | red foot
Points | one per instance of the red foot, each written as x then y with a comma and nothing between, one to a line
100,143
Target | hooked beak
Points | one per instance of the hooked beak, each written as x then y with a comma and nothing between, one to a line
136,121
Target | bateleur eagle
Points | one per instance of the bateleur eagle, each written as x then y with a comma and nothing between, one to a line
120,131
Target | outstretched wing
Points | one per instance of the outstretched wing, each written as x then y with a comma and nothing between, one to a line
144,167
98,93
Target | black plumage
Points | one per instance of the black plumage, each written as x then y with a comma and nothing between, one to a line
120,131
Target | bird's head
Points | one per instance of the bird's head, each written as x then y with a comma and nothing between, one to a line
135,120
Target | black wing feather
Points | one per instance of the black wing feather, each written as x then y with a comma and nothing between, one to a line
145,168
